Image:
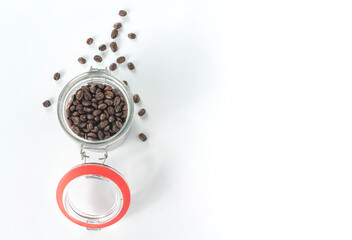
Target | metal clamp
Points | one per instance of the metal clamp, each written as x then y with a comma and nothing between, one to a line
84,156
104,70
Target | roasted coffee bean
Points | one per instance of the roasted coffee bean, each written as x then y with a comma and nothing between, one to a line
89,41
117,25
132,35
86,103
79,107
119,119
75,102
117,101
82,60
111,110
114,33
125,82
99,96
115,128
75,114
111,119
79,95
68,113
108,102
81,111
95,129
108,88
98,58
76,120
100,102
142,137
121,59
96,112
87,96
90,116
76,130
47,103
100,85
72,108
92,89
56,76
100,135
141,112
102,116
90,126
69,104
122,13
106,133
124,114
136,98
95,105
96,118
83,118
125,107
113,46
102,47
103,123
107,128
102,106
83,125
69,122
91,134
130,66
122,99
119,124
109,94
88,110
113,67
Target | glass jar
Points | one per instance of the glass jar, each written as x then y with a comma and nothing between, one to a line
94,195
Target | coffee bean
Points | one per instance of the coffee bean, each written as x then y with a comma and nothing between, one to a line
57,76
136,98
47,103
87,96
86,103
109,95
102,47
79,95
96,112
102,106
130,66
125,82
102,116
132,35
96,118
76,120
75,102
125,107
117,101
141,112
91,134
108,88
79,107
89,41
122,13
113,46
103,123
114,33
106,133
83,118
68,113
111,110
119,124
142,137
111,119
115,128
90,127
98,58
113,66
82,60
124,114
117,25
99,96
95,129
120,60
76,130
83,125
90,116
100,85
92,89
69,122
88,110
75,114
108,102
94,105
107,128
100,135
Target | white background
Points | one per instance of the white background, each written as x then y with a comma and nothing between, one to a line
249,117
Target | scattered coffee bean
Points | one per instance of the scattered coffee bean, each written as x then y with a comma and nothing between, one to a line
141,112
122,13
136,98
114,33
98,58
96,112
130,66
142,137
82,60
102,47
113,66
120,60
117,25
57,76
89,41
125,82
47,103
113,46
132,35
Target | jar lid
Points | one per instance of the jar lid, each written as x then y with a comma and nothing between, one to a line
93,195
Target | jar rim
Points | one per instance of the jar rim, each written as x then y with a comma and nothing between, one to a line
94,76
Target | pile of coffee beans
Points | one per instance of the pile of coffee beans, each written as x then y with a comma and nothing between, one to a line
96,112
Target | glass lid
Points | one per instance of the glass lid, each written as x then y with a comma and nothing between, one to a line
93,195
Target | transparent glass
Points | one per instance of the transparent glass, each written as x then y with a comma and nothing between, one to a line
95,76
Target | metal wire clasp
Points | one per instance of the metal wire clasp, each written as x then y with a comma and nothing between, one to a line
84,156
